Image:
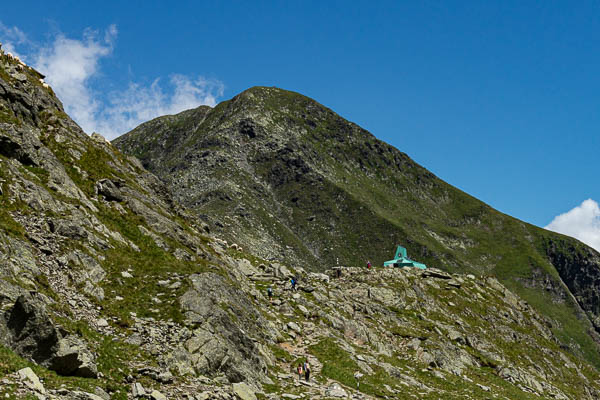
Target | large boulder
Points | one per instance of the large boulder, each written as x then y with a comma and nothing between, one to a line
32,334
72,357
243,391
335,390
226,328
69,228
109,189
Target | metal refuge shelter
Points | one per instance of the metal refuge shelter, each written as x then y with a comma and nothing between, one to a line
401,260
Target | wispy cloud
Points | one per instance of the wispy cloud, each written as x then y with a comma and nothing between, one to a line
128,108
69,64
72,65
582,222
12,37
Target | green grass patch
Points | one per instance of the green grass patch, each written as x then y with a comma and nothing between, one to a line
338,365
147,266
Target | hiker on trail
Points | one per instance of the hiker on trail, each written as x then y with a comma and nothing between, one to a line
293,281
368,264
270,294
306,370
300,370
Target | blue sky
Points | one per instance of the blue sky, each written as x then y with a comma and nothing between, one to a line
500,99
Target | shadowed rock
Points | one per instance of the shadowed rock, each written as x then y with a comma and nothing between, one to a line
109,190
33,335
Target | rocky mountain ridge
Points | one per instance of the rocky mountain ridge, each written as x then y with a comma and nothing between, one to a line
111,290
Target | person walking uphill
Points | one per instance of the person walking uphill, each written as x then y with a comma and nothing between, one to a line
306,371
300,370
293,282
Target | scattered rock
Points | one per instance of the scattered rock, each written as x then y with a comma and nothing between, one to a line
483,387
102,323
294,327
453,283
303,310
101,393
72,357
307,289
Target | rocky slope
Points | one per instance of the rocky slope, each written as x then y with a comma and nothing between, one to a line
109,290
283,175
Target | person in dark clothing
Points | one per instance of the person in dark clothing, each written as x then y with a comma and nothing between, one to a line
270,294
306,371
293,281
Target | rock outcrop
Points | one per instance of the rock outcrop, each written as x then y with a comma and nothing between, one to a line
34,336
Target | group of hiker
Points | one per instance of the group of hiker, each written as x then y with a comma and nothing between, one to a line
294,280
304,368
293,283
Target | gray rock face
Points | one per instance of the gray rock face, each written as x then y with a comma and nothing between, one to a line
578,268
68,228
225,318
72,357
33,335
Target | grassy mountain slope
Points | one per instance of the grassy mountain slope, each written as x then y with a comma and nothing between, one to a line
293,181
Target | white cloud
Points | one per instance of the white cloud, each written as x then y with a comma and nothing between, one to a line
12,37
68,65
128,108
72,66
582,222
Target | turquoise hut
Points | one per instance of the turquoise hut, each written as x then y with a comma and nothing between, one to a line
401,260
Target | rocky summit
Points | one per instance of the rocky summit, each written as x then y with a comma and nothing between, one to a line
115,285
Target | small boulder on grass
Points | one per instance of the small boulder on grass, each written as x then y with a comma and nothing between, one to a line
243,391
